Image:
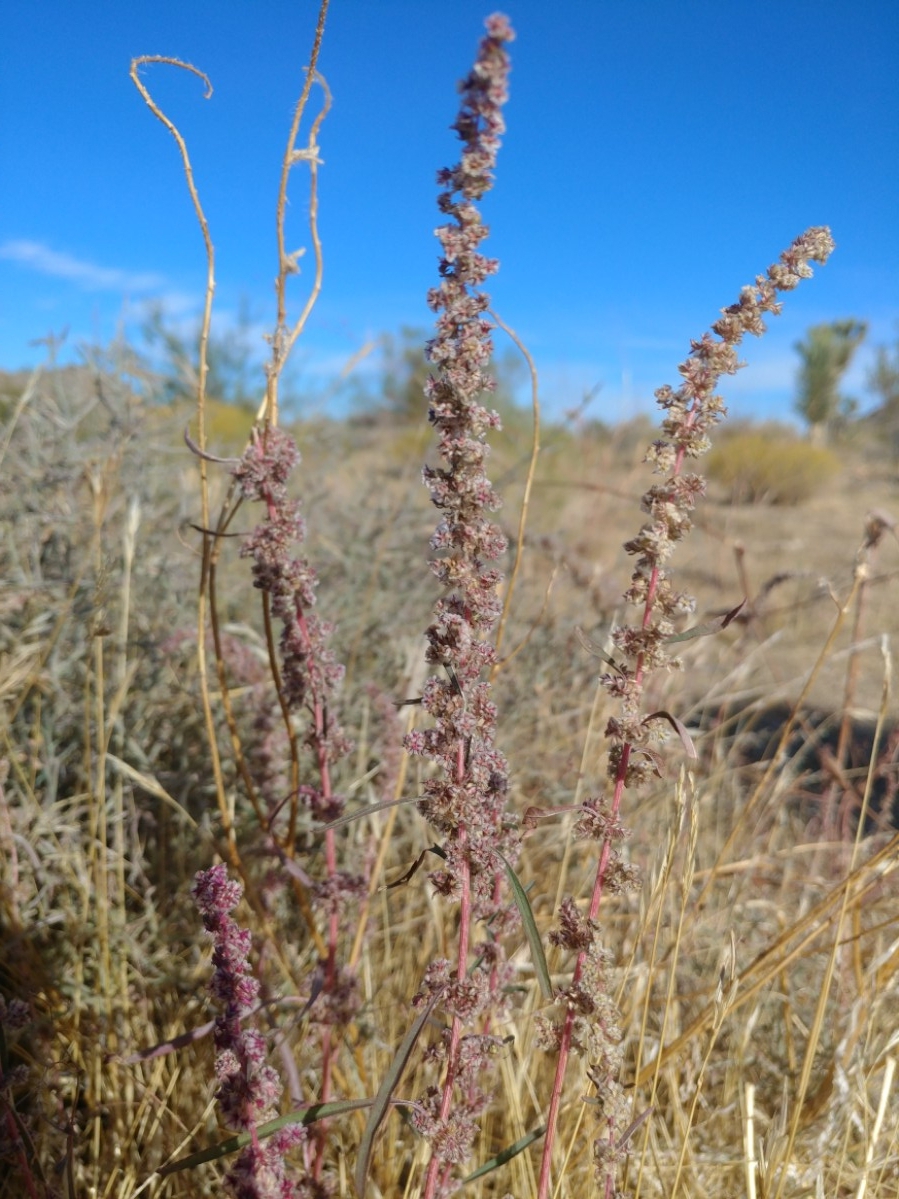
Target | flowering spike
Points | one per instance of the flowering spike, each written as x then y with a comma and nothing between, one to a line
249,1090
691,412
472,793
466,801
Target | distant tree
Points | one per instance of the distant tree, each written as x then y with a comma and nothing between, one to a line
234,370
883,379
404,373
826,353
883,382
399,390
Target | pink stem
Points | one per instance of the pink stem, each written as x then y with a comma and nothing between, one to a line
446,1102
596,898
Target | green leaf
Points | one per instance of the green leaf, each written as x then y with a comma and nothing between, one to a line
382,1100
303,1115
707,630
531,932
505,1155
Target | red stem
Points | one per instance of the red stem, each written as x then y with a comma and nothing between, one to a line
446,1102
598,886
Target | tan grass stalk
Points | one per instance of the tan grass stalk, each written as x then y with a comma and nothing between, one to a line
750,1160
814,1035
526,498
886,1087
727,985
202,601
670,969
284,339
876,526
761,789
22,403
780,954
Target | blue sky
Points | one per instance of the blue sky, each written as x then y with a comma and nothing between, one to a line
657,157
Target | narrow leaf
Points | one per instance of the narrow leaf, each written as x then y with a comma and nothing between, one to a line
706,630
505,1155
381,1101
303,1115
169,1046
680,728
531,932
368,810
592,648
151,785
634,1126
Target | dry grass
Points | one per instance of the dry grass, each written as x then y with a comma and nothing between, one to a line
757,969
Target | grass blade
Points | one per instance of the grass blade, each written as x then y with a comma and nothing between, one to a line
504,1155
385,1093
303,1115
531,931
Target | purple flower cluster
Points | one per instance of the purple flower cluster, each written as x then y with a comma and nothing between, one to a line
691,412
466,800
470,794
590,1023
307,679
249,1090
309,672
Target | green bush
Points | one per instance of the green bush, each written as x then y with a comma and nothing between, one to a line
757,467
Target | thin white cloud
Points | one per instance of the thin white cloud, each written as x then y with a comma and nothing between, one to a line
88,275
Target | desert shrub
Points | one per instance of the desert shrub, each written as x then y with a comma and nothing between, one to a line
758,467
